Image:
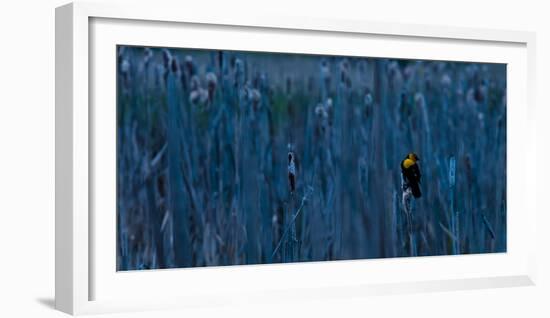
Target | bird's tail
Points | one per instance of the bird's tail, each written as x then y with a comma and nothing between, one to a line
415,189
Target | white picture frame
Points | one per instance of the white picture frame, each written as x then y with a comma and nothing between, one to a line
84,282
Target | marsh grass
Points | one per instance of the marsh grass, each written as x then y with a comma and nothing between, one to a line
203,138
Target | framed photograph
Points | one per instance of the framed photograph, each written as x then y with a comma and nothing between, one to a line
202,158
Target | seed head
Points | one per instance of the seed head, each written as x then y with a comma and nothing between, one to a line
325,69
344,66
147,55
188,63
345,78
239,72
419,100
291,172
328,104
198,96
175,66
166,58
368,99
125,66
211,79
446,81
211,83
195,83
263,82
480,93
320,111
254,96
394,74
121,50
393,68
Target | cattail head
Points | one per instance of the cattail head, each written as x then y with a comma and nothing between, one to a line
167,61
188,65
195,83
199,96
321,115
481,118
329,105
329,108
211,83
480,92
263,84
125,72
325,69
121,50
291,172
125,66
320,111
239,72
211,79
395,77
428,80
446,82
344,66
408,72
255,97
147,56
166,58
368,100
472,73
174,66
256,80
345,78
419,100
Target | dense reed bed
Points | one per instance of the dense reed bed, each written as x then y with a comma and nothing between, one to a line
228,157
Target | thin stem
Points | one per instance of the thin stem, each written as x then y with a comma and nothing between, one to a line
304,199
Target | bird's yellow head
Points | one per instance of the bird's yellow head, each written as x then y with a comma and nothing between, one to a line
413,157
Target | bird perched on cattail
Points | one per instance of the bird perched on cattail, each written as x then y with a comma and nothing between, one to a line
411,174
291,172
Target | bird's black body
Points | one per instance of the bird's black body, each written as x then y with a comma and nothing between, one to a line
411,176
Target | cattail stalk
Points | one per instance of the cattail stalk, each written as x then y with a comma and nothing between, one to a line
454,214
292,222
201,180
394,222
409,205
178,208
292,242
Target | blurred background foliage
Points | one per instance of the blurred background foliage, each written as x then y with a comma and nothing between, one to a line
203,145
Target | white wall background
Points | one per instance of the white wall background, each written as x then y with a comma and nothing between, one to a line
27,160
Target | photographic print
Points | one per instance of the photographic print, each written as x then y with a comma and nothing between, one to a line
236,158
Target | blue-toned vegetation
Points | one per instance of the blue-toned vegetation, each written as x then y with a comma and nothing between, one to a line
227,157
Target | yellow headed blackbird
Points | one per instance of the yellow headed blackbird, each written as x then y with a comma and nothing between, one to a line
411,174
